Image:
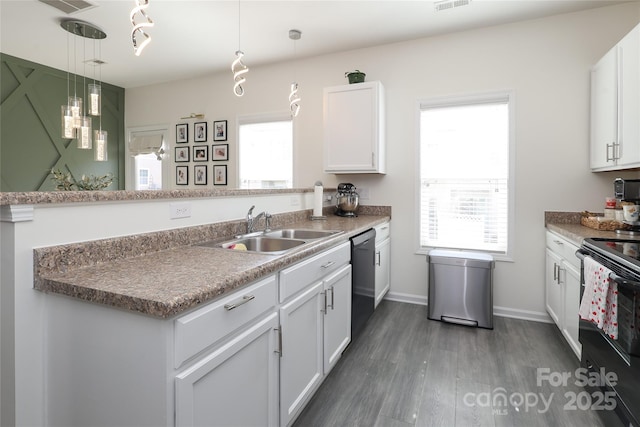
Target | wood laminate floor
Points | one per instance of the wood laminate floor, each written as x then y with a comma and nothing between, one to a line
406,370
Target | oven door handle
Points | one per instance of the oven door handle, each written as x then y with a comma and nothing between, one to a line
581,254
613,276
625,282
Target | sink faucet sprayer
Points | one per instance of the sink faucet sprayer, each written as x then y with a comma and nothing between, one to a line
251,220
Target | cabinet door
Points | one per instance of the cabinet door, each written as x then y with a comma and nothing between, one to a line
337,319
604,111
353,131
553,291
383,277
629,90
245,370
301,371
571,282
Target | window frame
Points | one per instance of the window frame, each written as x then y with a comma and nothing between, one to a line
280,116
507,96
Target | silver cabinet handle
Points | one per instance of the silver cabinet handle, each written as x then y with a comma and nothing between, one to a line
379,261
279,331
555,272
245,299
560,270
558,242
327,265
332,296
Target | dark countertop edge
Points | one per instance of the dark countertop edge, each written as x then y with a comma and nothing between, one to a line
166,310
53,197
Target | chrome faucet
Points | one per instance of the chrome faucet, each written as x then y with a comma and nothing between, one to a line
251,220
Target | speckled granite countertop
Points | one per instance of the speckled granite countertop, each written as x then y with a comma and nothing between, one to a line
166,282
567,224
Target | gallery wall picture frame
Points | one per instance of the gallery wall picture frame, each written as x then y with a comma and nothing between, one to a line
220,130
200,175
219,152
182,175
200,132
201,154
182,133
219,174
182,154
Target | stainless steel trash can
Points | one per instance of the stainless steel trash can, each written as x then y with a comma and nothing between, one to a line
461,287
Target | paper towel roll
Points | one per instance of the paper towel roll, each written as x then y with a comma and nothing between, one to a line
317,199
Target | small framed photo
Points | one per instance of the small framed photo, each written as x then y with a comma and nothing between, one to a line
219,152
220,130
200,175
182,154
182,175
200,154
182,133
200,132
219,174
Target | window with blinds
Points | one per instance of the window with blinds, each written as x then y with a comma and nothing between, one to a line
465,167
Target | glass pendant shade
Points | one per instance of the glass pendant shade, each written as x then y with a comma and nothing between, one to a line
84,134
100,140
95,92
68,130
75,104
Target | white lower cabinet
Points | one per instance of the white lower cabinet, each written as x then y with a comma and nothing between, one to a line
243,370
247,359
562,288
302,351
383,261
337,316
316,325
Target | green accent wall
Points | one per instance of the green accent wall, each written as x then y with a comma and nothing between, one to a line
30,127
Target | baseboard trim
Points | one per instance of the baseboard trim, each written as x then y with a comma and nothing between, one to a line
535,316
408,298
514,313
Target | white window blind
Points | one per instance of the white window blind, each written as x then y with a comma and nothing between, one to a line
266,154
464,174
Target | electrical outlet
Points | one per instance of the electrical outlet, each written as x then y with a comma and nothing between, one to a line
295,201
179,210
363,192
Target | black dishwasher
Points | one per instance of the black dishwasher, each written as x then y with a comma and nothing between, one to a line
363,249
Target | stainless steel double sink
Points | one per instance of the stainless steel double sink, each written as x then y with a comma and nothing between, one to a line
274,242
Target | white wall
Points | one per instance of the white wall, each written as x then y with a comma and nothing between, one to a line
546,62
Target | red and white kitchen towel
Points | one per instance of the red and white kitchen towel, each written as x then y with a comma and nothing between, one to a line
600,299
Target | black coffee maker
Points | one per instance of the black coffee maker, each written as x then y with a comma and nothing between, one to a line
346,200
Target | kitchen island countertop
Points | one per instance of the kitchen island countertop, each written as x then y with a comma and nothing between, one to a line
169,282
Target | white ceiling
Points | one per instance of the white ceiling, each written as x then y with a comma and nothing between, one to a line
197,37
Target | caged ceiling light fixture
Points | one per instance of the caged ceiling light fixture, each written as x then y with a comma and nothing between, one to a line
138,28
294,99
237,66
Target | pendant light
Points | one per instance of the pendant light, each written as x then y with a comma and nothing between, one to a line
95,89
237,66
74,109
67,123
138,28
294,99
84,133
100,153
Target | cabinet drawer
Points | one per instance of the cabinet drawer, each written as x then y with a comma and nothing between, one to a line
563,248
382,231
202,328
301,275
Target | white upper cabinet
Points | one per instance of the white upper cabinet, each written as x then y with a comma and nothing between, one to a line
354,131
615,106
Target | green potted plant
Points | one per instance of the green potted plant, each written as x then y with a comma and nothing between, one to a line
356,76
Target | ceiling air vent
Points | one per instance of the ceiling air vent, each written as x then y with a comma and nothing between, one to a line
69,6
450,4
